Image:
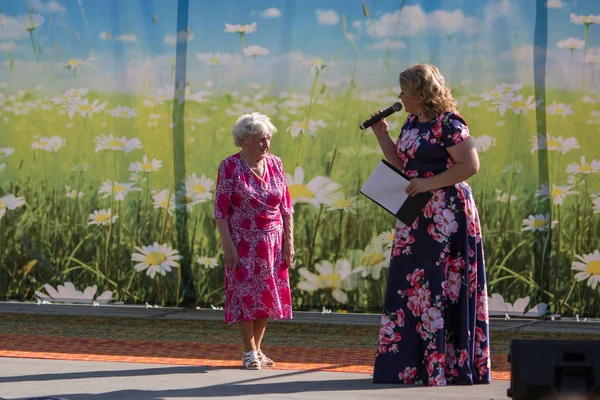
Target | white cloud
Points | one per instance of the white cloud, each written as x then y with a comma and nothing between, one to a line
50,7
388,44
104,35
496,9
128,38
523,54
10,28
555,4
412,20
271,13
172,39
327,17
357,24
9,46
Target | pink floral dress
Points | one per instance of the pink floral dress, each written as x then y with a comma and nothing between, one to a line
434,328
259,287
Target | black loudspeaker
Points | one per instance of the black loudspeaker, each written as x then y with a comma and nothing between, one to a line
554,369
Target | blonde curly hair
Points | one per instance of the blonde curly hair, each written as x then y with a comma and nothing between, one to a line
426,81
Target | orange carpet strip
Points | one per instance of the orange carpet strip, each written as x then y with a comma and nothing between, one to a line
216,355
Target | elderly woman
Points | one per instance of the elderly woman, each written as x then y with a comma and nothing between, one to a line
253,212
434,327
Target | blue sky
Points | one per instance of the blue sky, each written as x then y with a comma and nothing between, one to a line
488,35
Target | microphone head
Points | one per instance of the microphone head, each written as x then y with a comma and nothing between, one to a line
397,106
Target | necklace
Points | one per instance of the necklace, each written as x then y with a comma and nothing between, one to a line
263,183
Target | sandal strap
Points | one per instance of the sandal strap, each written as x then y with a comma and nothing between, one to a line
250,358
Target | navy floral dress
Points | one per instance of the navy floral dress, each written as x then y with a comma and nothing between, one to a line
434,328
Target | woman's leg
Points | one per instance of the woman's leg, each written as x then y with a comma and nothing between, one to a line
260,325
248,336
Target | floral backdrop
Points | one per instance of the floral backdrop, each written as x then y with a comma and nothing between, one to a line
115,114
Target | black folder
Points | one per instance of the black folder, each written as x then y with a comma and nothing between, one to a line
386,187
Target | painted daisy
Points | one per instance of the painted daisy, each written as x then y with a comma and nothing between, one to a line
119,190
50,144
557,193
589,265
155,258
10,202
6,151
162,199
117,144
337,201
145,165
83,107
538,222
72,193
315,192
208,262
202,185
242,29
328,276
503,197
373,259
102,217
553,143
560,109
124,112
484,143
583,168
308,128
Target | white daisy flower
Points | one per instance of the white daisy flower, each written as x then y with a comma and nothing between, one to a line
119,190
560,109
10,202
538,222
124,112
589,265
308,128
162,200
583,168
553,143
117,144
571,43
208,262
585,19
503,197
30,22
337,201
557,193
50,144
385,238
316,192
242,29
73,64
6,151
145,165
102,217
484,143
373,259
202,186
255,51
187,197
515,103
596,205
67,293
156,258
329,277
83,107
2,166
215,59
72,193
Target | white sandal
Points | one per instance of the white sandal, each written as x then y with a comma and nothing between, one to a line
264,360
250,360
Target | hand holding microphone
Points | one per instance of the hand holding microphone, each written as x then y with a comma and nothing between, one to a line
382,114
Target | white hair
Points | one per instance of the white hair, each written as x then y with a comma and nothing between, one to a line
251,124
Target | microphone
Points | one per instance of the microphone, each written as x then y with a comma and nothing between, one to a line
385,113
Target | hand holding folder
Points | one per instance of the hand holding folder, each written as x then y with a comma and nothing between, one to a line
387,188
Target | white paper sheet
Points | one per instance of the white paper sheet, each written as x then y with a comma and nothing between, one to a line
386,187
